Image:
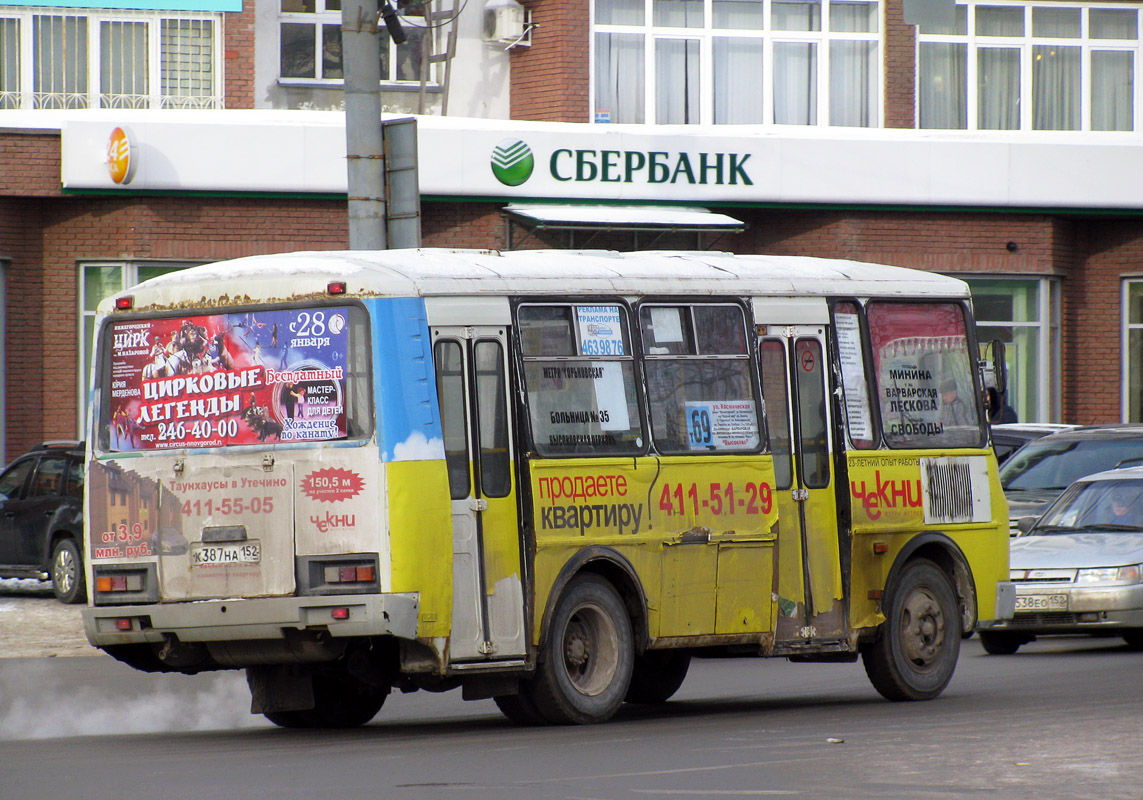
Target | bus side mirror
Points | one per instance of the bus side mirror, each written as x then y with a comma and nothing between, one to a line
999,365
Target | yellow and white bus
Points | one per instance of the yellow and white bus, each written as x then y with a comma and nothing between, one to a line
546,477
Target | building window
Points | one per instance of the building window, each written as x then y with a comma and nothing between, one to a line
189,78
795,62
96,282
310,45
1029,67
1024,314
109,59
1132,350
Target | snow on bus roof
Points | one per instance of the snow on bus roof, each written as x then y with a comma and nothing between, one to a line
438,271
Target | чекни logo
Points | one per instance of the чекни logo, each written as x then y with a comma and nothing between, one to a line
512,162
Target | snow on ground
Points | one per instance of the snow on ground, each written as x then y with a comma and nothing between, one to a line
33,624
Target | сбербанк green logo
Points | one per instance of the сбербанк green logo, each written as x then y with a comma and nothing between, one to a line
512,162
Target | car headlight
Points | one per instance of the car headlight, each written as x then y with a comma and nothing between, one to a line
1131,574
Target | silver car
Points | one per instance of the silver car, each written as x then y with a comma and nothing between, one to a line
1079,567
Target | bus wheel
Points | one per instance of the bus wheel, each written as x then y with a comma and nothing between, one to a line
519,708
657,675
916,651
584,667
1000,644
338,703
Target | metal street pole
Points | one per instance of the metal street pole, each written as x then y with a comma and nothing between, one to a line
364,149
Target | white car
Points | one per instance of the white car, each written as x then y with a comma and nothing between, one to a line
1079,568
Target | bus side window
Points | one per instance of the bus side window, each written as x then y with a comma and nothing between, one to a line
579,376
698,378
855,384
812,413
772,355
492,411
450,395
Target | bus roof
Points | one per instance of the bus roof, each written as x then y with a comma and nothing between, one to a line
426,272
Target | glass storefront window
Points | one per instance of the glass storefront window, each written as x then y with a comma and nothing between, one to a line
1023,314
1133,351
97,281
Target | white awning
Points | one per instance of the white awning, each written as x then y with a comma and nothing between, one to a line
661,219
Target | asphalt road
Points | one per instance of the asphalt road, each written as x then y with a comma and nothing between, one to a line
1060,719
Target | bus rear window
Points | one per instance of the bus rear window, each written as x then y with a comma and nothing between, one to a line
241,378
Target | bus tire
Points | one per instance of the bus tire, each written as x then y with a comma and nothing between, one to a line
287,719
338,703
519,708
657,675
915,653
1134,638
1000,644
68,583
584,667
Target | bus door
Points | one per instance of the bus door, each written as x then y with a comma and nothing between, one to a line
810,602
488,598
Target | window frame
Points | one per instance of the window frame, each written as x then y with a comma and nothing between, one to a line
26,97
524,422
1045,406
822,39
322,17
749,356
1026,44
86,317
1129,369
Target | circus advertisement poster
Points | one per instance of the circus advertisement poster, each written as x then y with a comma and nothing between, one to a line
228,379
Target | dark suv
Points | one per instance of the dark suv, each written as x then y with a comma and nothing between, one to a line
41,518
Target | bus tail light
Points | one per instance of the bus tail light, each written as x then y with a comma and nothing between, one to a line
118,584
359,573
343,574
125,302
336,287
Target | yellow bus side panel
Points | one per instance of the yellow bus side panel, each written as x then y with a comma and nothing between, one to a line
888,500
420,539
744,600
687,597
698,532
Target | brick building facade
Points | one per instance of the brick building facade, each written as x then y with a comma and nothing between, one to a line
1079,262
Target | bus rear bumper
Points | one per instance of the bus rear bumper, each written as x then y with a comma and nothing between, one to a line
261,618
